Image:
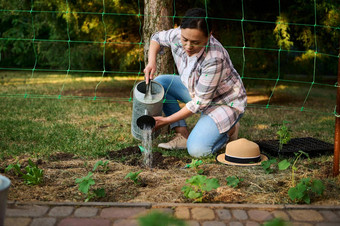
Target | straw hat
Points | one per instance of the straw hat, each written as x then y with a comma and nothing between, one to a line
242,152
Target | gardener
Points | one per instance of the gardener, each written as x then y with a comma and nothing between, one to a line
208,83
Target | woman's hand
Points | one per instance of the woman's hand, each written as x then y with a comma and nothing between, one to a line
149,71
161,122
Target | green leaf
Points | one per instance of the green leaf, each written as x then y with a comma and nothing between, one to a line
283,165
233,181
194,195
211,184
134,176
317,186
100,192
292,192
99,163
85,183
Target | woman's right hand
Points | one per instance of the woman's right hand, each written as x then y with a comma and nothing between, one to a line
149,72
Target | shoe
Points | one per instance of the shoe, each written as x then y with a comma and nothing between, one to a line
234,134
179,142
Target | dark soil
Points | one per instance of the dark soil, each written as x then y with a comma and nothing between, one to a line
132,156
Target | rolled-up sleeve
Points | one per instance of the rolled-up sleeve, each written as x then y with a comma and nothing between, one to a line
165,38
206,86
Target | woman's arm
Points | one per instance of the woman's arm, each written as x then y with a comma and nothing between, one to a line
181,114
151,67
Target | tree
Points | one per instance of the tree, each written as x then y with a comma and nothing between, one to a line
157,17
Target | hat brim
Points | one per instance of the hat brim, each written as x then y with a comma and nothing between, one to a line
221,158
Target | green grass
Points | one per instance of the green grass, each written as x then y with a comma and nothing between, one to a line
88,128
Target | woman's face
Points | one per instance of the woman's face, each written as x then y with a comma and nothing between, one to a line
193,40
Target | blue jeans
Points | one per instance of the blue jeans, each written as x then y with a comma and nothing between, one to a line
205,137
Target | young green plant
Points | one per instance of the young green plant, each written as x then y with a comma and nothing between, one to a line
233,181
283,135
134,176
32,174
284,164
266,165
194,165
305,188
198,186
85,184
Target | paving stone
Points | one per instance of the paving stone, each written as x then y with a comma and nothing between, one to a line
259,215
27,211
202,214
164,210
119,213
240,214
213,223
305,215
126,222
223,214
235,223
85,212
192,223
252,223
61,211
327,224
45,221
17,221
182,213
281,214
84,222
330,215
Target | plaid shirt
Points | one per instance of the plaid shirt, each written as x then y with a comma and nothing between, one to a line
214,85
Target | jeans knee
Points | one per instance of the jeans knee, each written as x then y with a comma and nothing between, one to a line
198,150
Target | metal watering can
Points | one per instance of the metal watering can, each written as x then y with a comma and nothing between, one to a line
147,102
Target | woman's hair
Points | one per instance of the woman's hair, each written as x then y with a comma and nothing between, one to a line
196,19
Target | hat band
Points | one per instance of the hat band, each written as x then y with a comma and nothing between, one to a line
244,160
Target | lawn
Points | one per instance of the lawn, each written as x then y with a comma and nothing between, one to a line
66,123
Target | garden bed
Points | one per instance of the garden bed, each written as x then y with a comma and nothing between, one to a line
164,181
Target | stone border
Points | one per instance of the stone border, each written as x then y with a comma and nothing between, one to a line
169,205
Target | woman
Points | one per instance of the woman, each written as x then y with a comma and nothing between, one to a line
208,83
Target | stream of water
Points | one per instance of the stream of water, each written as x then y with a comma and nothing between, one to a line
147,145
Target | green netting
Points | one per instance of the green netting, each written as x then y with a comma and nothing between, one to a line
106,72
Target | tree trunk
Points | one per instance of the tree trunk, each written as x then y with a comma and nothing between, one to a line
157,17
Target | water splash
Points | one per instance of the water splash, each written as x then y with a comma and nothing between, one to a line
147,144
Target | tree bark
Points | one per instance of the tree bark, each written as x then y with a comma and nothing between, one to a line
157,17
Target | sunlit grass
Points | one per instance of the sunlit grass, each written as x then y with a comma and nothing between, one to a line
87,127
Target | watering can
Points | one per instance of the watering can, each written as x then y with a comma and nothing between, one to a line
147,102
4,187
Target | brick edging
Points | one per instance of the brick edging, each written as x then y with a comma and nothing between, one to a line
192,205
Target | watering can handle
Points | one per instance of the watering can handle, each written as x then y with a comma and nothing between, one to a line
148,90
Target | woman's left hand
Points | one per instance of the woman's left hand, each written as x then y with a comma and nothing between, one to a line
161,122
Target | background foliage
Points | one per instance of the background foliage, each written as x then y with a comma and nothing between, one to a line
61,34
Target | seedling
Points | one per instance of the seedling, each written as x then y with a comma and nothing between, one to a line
233,181
85,184
101,163
33,174
284,164
194,165
304,189
266,165
157,218
198,186
283,135
134,176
